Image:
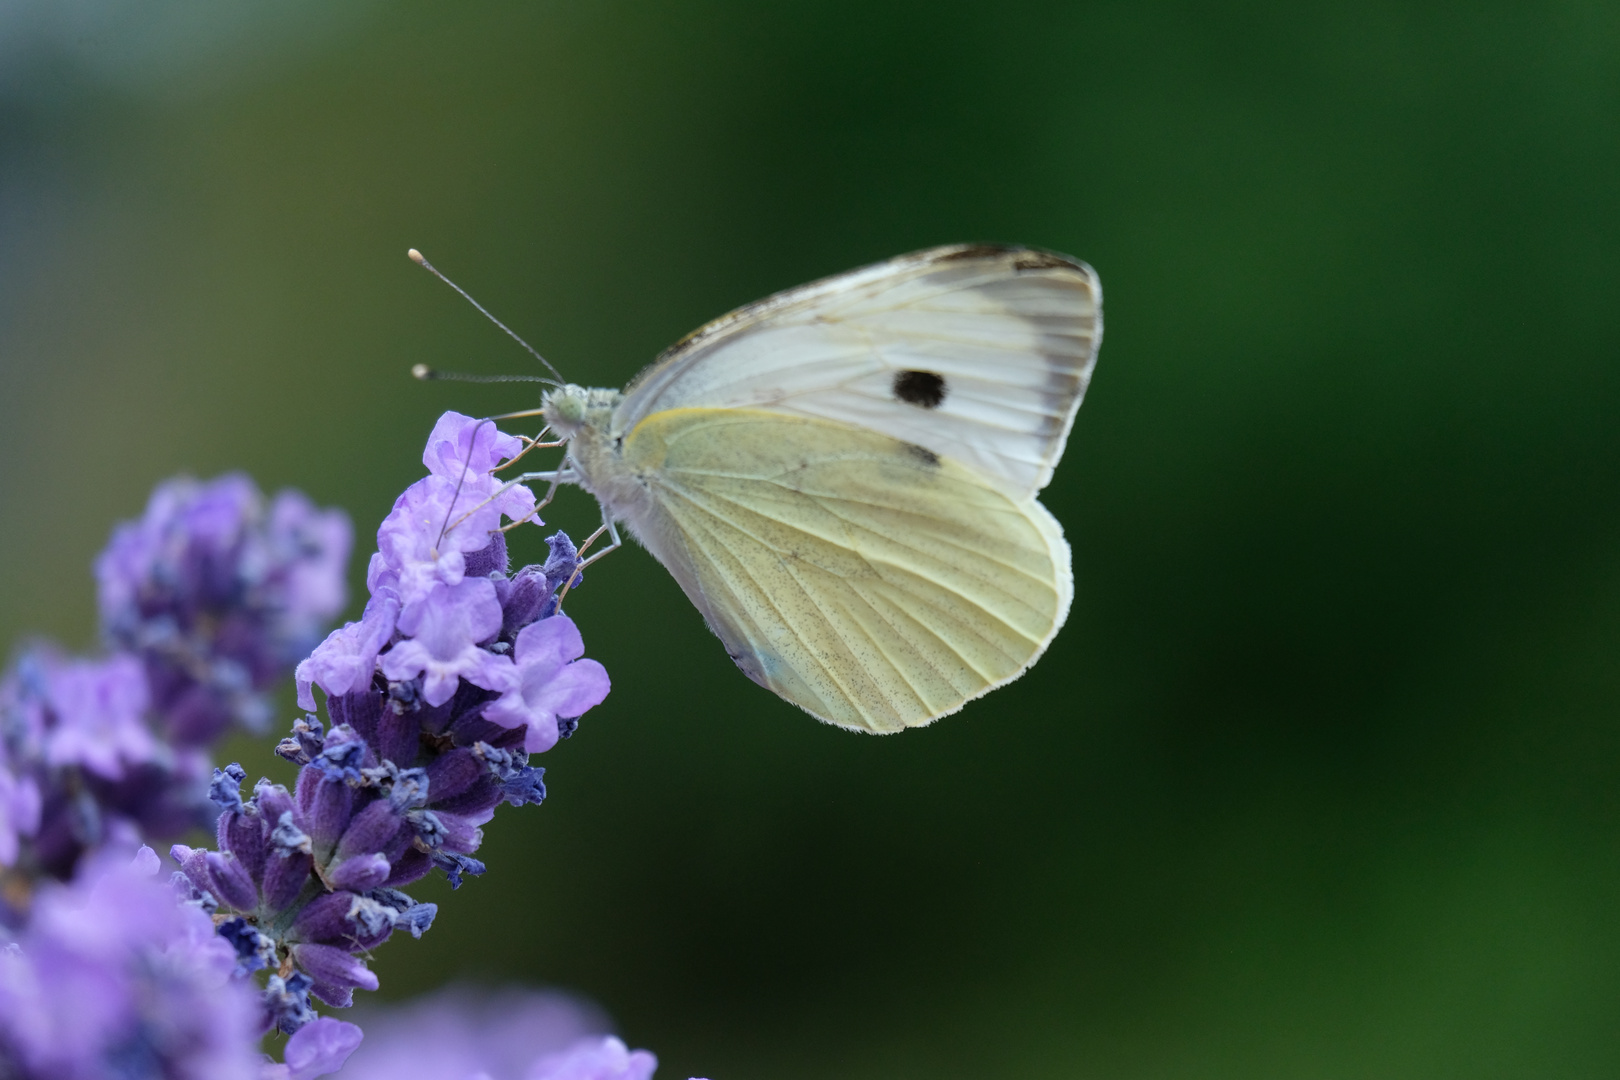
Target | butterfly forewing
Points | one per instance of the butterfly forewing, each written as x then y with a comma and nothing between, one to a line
867,579
979,354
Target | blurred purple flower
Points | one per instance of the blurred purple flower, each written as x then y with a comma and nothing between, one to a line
20,806
81,762
595,1059
219,595
112,978
316,1049
98,715
511,1034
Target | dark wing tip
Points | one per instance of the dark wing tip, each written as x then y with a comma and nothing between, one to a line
1020,257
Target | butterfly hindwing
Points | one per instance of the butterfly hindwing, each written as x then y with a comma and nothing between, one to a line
867,579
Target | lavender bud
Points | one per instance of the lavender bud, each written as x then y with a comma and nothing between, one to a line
332,967
244,835
525,600
429,829
274,800
342,755
309,733
374,829
234,886
329,813
339,997
324,921
194,864
285,875
413,865
458,833
491,559
289,750
456,770
563,562
398,735
361,872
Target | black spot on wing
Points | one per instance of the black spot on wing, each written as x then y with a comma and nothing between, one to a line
923,454
921,388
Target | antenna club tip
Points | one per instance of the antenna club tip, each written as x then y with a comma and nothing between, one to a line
421,371
416,257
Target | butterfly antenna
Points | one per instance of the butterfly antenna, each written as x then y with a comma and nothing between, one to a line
427,374
419,260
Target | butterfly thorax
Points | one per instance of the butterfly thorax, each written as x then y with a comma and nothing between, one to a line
584,416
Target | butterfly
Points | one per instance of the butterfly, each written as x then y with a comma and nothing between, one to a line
843,477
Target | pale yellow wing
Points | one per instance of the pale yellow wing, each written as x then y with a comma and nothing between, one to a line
868,580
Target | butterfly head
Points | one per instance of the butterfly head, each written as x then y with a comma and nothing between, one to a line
569,408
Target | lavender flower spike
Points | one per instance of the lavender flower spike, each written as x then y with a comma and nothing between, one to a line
435,698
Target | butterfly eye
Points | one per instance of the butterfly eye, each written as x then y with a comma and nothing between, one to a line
921,388
570,408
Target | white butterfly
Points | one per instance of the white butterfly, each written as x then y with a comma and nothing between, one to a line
842,477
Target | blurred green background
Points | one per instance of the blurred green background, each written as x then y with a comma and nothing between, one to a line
1323,777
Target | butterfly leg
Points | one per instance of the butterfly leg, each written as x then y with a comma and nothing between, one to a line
539,442
614,543
557,477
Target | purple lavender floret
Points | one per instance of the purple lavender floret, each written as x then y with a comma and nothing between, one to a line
435,699
113,978
82,763
220,594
